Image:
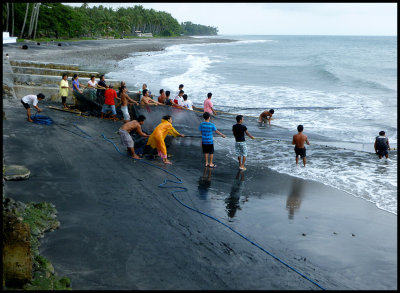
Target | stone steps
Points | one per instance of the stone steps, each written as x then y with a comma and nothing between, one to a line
52,72
27,63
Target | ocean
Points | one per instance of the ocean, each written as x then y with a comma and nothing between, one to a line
343,88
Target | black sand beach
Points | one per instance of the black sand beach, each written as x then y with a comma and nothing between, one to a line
120,230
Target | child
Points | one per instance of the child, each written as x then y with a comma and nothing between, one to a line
381,145
34,100
241,149
207,129
188,104
298,141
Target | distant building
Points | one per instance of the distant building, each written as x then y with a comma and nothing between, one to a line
140,34
7,39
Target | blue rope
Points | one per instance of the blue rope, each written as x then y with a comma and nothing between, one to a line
183,189
40,119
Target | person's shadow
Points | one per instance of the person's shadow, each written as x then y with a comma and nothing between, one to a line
293,201
204,183
232,201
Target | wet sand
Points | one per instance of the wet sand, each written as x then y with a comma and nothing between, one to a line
119,230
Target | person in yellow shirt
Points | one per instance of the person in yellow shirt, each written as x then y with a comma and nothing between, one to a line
64,87
156,139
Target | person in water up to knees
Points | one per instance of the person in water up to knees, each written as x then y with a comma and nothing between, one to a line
265,117
34,100
126,139
381,145
240,146
298,140
207,128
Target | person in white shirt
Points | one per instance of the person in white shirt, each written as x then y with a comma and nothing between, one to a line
188,104
34,100
180,89
178,99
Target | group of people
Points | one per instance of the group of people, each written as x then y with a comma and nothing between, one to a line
106,94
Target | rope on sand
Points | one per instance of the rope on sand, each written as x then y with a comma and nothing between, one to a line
184,189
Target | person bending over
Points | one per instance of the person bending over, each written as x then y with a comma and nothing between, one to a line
34,100
266,116
126,138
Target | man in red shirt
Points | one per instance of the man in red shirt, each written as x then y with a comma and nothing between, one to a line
109,104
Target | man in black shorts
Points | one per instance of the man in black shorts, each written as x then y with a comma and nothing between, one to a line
34,100
298,140
381,145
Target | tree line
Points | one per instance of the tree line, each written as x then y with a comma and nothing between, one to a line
55,20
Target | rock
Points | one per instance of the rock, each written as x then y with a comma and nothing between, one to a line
16,172
17,260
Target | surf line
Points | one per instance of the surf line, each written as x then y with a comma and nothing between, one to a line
184,189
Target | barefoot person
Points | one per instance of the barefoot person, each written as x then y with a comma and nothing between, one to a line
63,92
34,100
109,103
266,116
126,139
298,140
381,145
240,146
124,103
207,128
156,139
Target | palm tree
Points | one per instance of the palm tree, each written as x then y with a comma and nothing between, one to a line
12,17
37,18
26,15
8,16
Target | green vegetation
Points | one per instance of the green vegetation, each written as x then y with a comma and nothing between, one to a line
57,21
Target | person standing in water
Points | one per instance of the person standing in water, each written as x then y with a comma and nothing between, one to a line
298,140
239,130
381,145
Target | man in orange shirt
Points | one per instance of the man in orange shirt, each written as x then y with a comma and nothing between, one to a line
109,104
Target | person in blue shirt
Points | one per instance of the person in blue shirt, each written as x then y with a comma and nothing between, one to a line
207,128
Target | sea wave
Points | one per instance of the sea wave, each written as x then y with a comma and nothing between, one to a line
359,174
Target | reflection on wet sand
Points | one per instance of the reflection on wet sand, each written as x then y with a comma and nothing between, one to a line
204,183
232,201
294,199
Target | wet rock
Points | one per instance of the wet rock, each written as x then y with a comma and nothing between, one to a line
17,260
16,172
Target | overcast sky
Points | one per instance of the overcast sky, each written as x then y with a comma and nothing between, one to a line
282,18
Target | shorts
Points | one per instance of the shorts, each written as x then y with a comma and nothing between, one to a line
107,108
382,152
63,99
126,139
25,105
300,152
241,149
265,120
208,148
125,111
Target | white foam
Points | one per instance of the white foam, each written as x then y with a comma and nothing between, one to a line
358,173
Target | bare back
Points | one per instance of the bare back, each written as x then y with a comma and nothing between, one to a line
299,139
131,125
